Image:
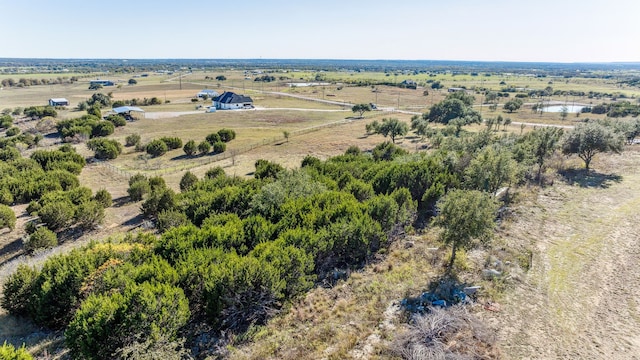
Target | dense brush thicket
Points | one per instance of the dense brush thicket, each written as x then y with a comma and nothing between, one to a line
48,182
232,251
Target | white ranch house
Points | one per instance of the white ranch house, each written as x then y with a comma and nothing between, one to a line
229,101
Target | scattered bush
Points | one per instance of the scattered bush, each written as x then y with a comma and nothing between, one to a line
157,148
188,181
6,121
204,147
226,135
190,148
7,217
213,138
132,140
103,197
6,198
138,189
141,312
116,120
267,169
170,219
214,172
9,352
57,215
219,147
172,142
39,112
89,214
105,148
13,131
41,238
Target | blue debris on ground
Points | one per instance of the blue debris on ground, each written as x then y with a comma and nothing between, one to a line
436,298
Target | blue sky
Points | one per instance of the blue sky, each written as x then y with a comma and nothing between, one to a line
491,30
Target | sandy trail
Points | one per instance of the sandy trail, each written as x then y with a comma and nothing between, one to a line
582,295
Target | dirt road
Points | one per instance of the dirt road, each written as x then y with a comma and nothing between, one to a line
581,298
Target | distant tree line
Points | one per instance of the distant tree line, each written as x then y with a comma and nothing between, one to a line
24,82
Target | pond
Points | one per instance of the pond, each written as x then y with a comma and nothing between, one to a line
558,108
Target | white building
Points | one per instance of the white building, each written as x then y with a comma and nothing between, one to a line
229,100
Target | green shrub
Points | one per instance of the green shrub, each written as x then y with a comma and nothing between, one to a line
42,238
157,183
7,217
6,121
226,135
187,181
190,148
13,131
9,153
95,111
6,198
51,159
137,177
138,189
170,219
387,151
214,172
141,313
116,120
213,138
204,147
311,161
57,215
89,214
156,148
159,200
9,352
102,128
103,197
267,169
172,142
132,140
18,291
353,150
105,148
219,147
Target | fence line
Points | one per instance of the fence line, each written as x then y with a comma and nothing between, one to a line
217,157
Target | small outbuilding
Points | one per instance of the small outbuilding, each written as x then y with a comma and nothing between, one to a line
129,112
207,93
101,82
229,100
455,89
58,102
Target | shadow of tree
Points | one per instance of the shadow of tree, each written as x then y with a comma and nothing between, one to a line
182,157
589,179
14,249
121,201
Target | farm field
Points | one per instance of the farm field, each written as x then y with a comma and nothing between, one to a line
577,298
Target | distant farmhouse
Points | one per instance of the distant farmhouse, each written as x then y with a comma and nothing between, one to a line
229,100
58,102
409,84
101,82
208,93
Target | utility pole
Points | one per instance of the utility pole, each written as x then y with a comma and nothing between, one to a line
180,78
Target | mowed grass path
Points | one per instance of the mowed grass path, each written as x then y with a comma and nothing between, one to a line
581,298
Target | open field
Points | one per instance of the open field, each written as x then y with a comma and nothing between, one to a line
579,298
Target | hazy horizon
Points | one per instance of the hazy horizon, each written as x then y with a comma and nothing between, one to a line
570,31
